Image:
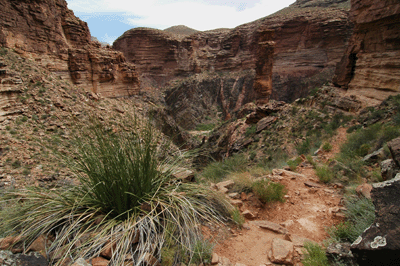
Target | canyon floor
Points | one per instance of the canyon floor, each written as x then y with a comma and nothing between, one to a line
310,208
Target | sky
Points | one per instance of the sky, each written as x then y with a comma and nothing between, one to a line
109,19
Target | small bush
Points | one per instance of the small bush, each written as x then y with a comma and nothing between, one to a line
314,255
304,147
294,163
205,127
216,171
243,182
202,252
268,191
237,217
327,146
324,173
251,130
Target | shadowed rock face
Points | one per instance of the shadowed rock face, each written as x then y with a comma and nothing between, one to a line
48,32
370,66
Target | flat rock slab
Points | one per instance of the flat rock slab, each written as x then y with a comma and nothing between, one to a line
276,228
298,241
281,252
312,184
225,185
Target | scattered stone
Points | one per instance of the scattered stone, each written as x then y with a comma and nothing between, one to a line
340,251
374,157
276,228
214,259
185,175
80,262
389,169
225,185
281,252
381,241
298,241
99,261
237,203
240,264
248,215
394,147
234,195
150,260
292,174
39,244
312,184
8,241
265,122
287,223
224,262
364,190
108,250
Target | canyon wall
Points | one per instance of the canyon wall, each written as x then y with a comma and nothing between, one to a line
204,73
310,37
49,33
370,67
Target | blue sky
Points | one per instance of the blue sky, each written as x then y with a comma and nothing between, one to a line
109,19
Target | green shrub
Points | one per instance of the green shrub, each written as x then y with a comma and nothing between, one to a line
251,130
125,192
243,182
237,217
327,146
294,163
304,147
268,191
324,173
216,171
202,252
314,255
205,127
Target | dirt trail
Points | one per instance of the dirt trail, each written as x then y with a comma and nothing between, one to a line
310,208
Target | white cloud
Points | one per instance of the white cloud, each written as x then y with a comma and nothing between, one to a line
200,15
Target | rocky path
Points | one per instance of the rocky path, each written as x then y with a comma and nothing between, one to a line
277,232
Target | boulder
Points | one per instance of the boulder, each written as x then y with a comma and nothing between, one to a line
389,169
380,243
276,228
375,156
364,190
341,252
281,252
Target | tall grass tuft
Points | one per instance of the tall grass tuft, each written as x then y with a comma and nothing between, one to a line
314,255
127,199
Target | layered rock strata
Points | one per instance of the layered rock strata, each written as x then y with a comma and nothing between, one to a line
310,38
370,67
49,33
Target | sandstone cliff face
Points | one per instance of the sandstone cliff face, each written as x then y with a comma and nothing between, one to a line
370,66
48,32
310,38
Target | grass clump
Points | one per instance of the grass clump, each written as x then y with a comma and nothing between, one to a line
360,215
216,171
294,163
314,255
324,173
268,191
327,146
251,130
127,194
205,127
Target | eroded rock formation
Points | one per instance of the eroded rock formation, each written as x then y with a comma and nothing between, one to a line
370,66
49,33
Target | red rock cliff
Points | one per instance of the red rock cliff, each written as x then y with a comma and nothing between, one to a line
162,56
370,67
48,32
